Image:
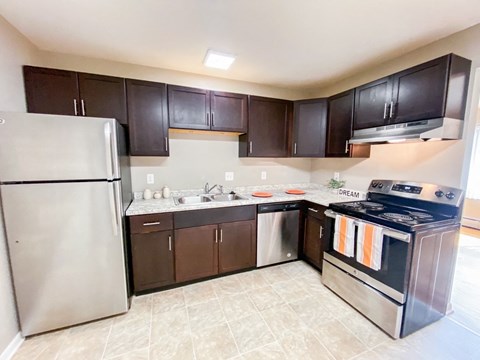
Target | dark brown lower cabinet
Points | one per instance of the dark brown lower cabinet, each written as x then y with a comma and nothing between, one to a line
152,260
238,246
208,250
314,241
196,252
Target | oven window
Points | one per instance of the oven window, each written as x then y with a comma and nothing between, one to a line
393,265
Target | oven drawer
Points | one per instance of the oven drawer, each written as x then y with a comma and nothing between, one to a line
371,303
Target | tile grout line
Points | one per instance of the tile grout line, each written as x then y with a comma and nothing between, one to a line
151,327
189,324
108,338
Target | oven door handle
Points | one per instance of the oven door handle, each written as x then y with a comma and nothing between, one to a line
405,237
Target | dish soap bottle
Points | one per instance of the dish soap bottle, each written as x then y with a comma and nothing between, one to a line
166,192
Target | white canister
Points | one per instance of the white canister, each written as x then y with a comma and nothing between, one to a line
157,195
147,194
166,192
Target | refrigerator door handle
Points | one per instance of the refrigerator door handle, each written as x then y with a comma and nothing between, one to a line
108,150
113,207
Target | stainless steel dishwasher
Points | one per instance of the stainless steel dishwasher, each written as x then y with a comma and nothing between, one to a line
277,233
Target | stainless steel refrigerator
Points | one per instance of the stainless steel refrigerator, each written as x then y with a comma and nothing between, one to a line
65,186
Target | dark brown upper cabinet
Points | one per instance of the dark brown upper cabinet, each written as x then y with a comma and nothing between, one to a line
268,128
147,118
434,89
309,128
52,91
339,127
200,109
372,103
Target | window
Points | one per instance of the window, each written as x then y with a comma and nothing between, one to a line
473,187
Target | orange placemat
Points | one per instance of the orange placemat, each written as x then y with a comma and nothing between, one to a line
262,194
295,192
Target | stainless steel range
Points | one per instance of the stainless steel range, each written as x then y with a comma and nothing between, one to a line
392,256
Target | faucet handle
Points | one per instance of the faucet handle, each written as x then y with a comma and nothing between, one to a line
220,187
205,188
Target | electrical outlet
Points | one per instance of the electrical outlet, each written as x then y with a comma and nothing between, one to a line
263,175
336,176
150,179
229,176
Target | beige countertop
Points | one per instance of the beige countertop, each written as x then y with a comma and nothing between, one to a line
315,193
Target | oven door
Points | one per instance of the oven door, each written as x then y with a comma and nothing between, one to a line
391,278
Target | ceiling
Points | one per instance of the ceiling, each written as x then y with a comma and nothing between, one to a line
285,43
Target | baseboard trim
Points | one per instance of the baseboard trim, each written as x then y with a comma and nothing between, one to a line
12,348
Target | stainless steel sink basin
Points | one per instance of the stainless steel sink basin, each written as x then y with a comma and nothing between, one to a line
226,197
196,199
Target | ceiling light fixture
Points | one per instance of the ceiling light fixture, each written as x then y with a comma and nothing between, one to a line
218,60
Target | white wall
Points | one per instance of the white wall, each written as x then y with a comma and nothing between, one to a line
444,162
16,51
197,158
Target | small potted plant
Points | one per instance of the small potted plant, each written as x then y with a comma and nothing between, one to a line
334,185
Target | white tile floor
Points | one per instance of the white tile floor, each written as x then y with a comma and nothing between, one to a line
282,312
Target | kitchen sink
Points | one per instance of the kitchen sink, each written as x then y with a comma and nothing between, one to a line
198,199
226,197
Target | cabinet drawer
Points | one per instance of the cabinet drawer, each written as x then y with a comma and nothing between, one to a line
315,210
142,224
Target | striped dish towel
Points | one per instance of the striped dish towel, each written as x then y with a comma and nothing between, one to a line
344,236
369,245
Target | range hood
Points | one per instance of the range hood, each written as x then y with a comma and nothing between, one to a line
432,129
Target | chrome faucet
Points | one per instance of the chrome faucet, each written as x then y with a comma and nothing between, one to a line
207,190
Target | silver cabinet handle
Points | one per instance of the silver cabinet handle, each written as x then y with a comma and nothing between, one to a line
391,109
152,223
83,107
169,242
295,148
385,111
321,232
166,144
208,119
251,147
216,235
314,210
221,235
212,119
75,107
346,146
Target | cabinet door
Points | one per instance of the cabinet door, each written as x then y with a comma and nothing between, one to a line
372,103
196,252
103,96
310,127
238,246
188,108
420,92
51,91
268,125
339,125
152,260
147,118
228,111
314,242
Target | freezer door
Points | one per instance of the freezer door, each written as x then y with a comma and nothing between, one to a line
39,147
66,249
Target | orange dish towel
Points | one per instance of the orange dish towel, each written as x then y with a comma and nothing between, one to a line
369,245
344,236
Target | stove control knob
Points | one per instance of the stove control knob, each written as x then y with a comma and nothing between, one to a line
449,195
439,193
374,185
380,185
